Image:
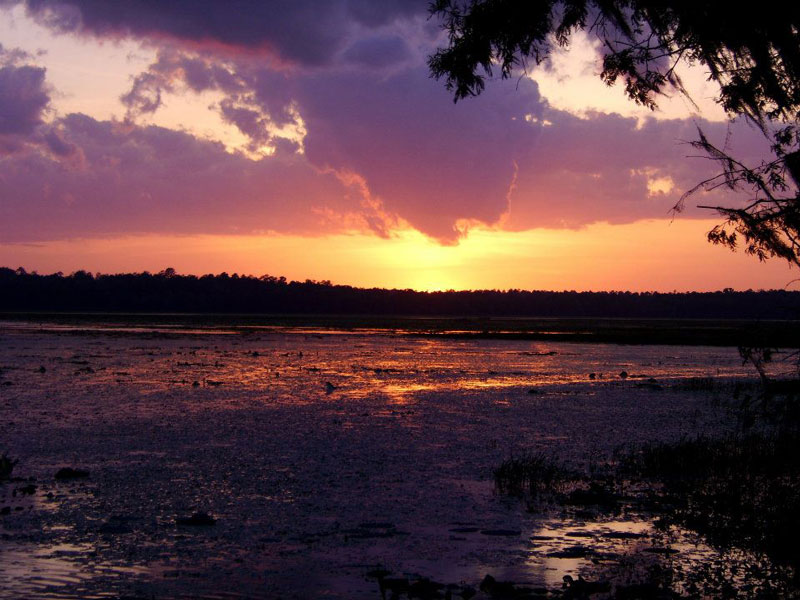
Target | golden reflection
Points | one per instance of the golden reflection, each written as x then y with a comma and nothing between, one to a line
403,393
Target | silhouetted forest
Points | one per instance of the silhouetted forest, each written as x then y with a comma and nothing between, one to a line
169,292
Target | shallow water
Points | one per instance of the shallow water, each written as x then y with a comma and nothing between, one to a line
313,485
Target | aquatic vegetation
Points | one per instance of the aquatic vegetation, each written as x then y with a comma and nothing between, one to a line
699,384
67,473
6,466
740,490
197,519
532,475
396,472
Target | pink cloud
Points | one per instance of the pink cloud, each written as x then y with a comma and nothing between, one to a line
383,142
150,179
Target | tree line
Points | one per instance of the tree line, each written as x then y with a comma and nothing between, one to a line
168,291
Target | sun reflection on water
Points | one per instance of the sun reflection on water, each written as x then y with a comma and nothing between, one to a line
302,443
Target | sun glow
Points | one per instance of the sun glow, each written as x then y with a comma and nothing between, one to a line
655,255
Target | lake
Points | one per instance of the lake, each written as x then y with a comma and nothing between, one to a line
323,455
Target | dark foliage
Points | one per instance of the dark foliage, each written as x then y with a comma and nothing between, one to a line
753,54
769,224
530,475
741,491
167,292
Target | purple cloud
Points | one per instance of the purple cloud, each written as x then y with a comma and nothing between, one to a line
426,160
307,32
377,52
150,179
23,99
383,141
598,169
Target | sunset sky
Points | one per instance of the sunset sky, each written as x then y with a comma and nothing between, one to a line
307,139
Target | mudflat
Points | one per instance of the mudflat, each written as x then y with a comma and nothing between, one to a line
219,461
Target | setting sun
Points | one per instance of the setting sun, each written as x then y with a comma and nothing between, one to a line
369,300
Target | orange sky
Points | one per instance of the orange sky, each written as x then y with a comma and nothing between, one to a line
657,255
136,148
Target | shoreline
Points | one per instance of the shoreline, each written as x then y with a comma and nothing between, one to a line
637,331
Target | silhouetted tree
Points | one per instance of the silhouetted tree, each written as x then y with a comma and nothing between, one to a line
769,223
753,54
145,292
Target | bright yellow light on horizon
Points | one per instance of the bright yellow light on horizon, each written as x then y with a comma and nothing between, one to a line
652,255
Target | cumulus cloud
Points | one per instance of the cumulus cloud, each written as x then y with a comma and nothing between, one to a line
306,32
23,99
373,141
430,162
24,103
438,166
151,179
173,70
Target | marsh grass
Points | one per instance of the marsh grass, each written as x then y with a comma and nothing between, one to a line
699,384
532,476
738,491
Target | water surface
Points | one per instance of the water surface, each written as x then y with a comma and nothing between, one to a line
322,454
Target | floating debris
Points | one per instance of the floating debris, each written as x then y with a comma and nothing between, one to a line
70,473
580,588
6,466
198,519
571,552
116,525
501,532
28,490
663,551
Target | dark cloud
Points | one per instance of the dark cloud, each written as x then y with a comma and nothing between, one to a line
250,122
24,102
54,140
23,99
308,32
14,56
377,52
175,68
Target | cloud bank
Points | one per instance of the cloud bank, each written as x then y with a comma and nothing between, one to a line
345,129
